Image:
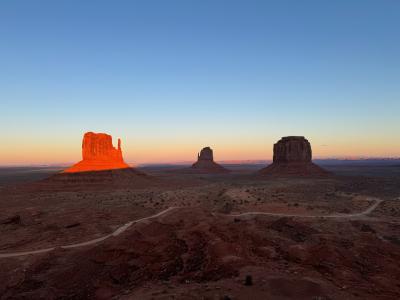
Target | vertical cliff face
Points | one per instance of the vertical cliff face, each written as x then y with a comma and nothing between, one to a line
292,157
205,163
98,146
292,149
206,154
98,153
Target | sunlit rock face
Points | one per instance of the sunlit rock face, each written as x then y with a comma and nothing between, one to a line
205,163
292,157
98,153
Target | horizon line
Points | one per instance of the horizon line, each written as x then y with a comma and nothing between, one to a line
187,162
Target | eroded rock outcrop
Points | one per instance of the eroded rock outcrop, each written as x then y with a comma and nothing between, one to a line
98,153
292,149
205,163
293,157
206,154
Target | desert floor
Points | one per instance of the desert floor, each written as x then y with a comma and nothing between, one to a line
174,236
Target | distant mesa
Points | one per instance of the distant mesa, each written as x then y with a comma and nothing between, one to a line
206,164
206,154
292,149
98,153
101,167
293,157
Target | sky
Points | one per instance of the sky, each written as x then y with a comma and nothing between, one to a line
170,77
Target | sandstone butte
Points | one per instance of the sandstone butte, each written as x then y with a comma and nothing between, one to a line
293,156
98,153
205,162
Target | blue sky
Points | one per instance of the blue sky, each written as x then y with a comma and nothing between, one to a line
170,77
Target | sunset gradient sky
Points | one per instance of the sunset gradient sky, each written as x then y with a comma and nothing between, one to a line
169,77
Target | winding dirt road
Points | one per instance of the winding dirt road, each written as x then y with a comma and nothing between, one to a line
90,242
124,227
355,215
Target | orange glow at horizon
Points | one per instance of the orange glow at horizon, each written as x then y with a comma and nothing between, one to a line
170,151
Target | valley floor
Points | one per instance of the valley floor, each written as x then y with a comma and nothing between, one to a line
179,236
